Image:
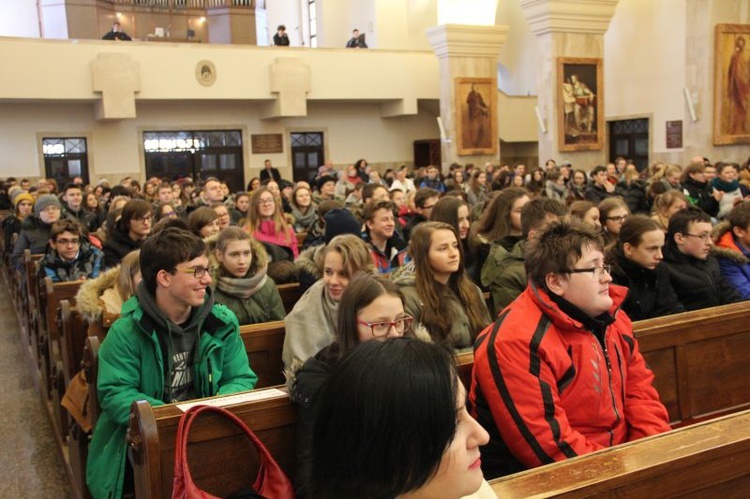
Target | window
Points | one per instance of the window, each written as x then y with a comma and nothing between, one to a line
313,16
197,154
65,158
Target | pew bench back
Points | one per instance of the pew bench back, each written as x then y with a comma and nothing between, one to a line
220,462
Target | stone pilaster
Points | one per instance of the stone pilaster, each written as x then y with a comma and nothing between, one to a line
565,28
465,52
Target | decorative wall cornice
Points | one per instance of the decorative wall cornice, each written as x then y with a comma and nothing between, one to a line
459,40
569,16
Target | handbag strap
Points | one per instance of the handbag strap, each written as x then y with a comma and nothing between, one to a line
268,466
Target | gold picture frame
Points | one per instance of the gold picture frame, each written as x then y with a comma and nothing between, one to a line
476,116
732,84
580,104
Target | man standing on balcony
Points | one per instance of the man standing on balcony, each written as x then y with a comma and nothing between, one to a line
117,34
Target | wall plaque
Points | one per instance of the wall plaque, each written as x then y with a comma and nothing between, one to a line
268,143
674,134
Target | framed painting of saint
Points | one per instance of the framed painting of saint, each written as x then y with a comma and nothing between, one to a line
476,116
580,104
732,84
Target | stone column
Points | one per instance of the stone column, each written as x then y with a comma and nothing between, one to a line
466,52
566,29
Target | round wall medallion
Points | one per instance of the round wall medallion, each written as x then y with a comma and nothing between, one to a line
205,73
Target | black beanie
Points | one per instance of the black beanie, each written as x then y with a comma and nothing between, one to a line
341,221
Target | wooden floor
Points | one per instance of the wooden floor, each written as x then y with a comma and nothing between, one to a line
29,462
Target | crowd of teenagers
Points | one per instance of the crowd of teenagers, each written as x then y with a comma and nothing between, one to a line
394,267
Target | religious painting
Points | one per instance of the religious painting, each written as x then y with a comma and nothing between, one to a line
580,108
732,84
476,116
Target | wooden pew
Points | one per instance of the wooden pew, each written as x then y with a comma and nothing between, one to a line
50,356
699,360
709,459
263,344
220,462
290,293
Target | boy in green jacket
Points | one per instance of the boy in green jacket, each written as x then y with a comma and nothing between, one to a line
171,343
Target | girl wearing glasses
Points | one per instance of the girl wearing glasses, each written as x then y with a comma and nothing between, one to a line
266,222
636,263
241,281
439,295
129,232
371,309
612,212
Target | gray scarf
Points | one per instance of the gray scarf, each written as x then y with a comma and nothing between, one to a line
242,287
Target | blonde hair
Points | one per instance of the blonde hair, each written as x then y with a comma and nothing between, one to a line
129,267
354,254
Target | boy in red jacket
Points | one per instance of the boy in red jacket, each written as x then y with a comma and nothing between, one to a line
559,373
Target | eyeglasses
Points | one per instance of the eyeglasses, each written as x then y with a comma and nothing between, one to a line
198,272
144,218
266,201
69,242
598,272
380,329
621,218
703,237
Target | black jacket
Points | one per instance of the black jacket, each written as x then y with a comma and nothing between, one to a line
34,235
117,245
650,293
700,195
634,196
698,283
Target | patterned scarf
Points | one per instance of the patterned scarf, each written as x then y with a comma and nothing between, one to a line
243,287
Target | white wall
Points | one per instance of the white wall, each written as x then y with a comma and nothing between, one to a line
333,23
644,64
24,20
516,75
288,13
402,25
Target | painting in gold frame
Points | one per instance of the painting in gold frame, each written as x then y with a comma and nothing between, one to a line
476,116
580,108
732,84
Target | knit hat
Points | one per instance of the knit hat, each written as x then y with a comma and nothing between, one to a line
341,221
325,178
45,200
14,191
22,196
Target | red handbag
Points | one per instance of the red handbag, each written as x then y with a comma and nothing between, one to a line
271,483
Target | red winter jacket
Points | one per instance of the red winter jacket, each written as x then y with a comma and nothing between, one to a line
546,389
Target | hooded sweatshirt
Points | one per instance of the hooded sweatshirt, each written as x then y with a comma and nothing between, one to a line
178,345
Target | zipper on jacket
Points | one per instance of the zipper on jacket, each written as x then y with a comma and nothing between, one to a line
603,346
210,378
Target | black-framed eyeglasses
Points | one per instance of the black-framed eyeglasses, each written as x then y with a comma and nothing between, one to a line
71,242
703,237
621,218
380,329
144,218
596,271
198,272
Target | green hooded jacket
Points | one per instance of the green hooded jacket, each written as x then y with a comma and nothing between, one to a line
131,368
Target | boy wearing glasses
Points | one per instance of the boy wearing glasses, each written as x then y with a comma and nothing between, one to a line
559,374
693,271
171,343
70,257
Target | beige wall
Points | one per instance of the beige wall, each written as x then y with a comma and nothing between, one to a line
515,75
647,77
115,148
